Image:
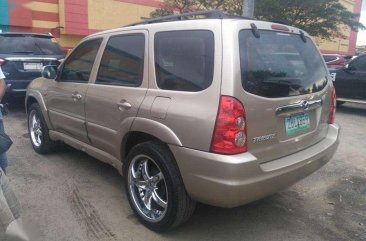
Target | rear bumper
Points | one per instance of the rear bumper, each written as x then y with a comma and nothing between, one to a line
358,101
230,181
17,86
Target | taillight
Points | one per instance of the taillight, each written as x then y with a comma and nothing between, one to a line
333,106
230,135
2,61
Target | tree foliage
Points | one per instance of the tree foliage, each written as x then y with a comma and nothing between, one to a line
169,7
321,18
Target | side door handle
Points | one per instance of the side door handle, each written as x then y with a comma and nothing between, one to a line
76,96
124,105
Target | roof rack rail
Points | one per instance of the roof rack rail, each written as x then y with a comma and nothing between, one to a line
213,14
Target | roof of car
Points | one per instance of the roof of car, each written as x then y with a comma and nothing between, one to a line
25,33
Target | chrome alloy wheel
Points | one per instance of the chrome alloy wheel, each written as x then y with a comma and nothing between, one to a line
147,187
35,128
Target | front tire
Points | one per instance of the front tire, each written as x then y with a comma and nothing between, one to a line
155,190
38,131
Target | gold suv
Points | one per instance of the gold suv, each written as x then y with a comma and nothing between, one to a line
217,110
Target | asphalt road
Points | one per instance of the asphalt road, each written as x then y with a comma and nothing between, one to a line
71,196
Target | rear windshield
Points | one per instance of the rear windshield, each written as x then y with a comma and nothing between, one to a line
28,44
280,65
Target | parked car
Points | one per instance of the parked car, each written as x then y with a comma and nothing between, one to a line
334,61
217,110
350,81
22,57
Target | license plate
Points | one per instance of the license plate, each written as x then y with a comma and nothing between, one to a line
297,123
33,66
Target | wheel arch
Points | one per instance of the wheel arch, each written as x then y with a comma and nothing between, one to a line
143,130
36,97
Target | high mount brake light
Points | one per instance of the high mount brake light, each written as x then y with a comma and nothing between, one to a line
230,134
280,27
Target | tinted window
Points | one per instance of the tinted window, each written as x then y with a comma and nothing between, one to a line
329,58
280,65
28,44
359,64
184,60
123,61
79,64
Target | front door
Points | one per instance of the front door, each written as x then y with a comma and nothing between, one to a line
119,89
66,97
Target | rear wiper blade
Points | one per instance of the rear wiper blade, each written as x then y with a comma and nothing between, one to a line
40,49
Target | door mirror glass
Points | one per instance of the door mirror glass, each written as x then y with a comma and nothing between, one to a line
49,72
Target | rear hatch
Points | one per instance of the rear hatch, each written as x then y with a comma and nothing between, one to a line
285,91
24,55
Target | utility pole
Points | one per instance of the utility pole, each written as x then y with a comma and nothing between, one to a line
248,8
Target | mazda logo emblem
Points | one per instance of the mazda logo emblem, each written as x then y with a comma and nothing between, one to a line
305,105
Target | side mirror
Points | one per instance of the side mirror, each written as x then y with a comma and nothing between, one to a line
49,72
349,68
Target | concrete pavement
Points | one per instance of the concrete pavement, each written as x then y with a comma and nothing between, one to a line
71,196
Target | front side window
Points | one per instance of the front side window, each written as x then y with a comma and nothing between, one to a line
184,60
79,64
280,64
123,61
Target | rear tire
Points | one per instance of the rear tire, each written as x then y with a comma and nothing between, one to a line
154,187
38,131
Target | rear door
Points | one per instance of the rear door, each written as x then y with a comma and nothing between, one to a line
66,98
283,85
119,89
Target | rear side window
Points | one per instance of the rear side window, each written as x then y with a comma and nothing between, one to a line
184,60
29,44
79,64
329,58
123,61
280,65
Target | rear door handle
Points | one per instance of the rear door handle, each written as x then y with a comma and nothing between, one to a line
124,105
77,96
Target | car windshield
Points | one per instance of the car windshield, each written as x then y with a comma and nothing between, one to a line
280,64
29,44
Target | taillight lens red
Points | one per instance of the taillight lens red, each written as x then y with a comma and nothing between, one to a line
230,135
333,106
2,61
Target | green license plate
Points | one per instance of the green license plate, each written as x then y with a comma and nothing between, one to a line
297,123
